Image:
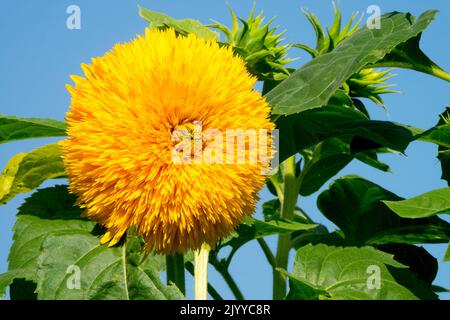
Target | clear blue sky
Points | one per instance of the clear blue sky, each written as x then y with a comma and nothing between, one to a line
38,53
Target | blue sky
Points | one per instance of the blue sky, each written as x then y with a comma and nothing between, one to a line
38,53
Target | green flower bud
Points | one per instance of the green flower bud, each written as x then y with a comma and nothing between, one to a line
367,83
258,44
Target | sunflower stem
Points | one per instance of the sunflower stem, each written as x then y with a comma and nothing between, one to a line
211,290
175,271
201,272
291,189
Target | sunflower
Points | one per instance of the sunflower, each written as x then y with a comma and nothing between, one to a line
120,151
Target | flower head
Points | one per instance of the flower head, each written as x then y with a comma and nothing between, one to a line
120,151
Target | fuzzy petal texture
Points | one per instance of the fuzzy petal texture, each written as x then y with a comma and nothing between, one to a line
119,154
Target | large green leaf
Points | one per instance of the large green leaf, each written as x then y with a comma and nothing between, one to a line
421,263
329,157
50,238
326,160
408,55
104,273
13,128
329,272
184,27
48,211
27,171
355,206
306,129
312,85
425,205
439,135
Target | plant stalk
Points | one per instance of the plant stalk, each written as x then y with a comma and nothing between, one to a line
232,285
201,272
175,271
432,70
289,203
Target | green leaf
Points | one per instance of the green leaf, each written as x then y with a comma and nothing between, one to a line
316,236
351,273
443,151
6,279
21,289
27,171
312,85
272,211
425,205
421,263
306,129
303,290
104,273
439,289
252,229
327,159
371,158
355,206
408,55
50,238
183,27
48,211
444,158
447,253
439,135
13,128
280,226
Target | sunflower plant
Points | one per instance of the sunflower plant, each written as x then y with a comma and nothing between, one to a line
167,143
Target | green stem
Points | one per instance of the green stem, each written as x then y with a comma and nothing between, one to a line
175,271
442,74
267,252
211,290
432,70
232,284
222,268
291,189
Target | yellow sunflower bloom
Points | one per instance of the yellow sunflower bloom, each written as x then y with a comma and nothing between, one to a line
121,151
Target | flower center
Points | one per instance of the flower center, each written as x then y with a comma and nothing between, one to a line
188,140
